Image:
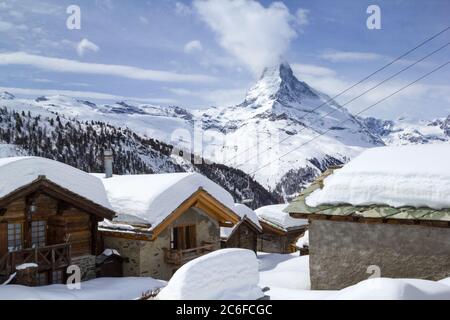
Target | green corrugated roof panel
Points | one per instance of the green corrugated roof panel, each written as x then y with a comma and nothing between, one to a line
436,215
298,205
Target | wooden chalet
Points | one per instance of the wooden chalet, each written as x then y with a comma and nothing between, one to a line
280,232
245,233
165,220
49,214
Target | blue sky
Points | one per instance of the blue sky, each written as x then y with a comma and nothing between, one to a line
203,53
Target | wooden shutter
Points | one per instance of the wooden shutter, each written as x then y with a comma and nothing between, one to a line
3,239
191,237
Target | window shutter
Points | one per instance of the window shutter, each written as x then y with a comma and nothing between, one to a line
3,239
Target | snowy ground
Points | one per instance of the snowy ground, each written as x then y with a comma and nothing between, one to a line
97,289
287,276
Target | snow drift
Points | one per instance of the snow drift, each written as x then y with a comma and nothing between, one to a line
394,289
417,176
227,274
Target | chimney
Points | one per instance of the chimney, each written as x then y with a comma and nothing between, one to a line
108,161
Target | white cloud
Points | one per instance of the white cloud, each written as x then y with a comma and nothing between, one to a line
182,10
193,46
218,97
255,35
410,101
73,66
302,17
82,95
313,70
350,56
85,45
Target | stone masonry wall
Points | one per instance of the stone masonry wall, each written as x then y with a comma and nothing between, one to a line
341,252
127,248
152,261
146,258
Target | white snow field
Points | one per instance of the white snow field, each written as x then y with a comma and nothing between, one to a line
97,289
417,176
226,274
287,276
289,271
149,198
275,214
17,172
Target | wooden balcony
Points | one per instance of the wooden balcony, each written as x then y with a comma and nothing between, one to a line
47,258
180,257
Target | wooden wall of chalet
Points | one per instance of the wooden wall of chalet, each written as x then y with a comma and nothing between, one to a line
274,241
64,223
243,237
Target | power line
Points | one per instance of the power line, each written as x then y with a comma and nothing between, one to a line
363,110
357,83
353,99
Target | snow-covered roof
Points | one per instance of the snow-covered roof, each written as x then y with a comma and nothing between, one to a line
150,198
275,215
17,172
415,176
244,212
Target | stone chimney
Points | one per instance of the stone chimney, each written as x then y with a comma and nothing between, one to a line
108,161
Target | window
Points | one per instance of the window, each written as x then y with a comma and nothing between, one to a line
14,236
42,279
38,231
57,277
183,237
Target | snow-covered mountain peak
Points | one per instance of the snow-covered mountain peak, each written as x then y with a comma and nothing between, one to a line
278,84
5,95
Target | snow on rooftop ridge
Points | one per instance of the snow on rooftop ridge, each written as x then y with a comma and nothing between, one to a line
151,198
274,214
417,176
16,172
244,212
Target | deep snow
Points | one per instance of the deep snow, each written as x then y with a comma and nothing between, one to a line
17,172
226,274
96,289
274,214
417,176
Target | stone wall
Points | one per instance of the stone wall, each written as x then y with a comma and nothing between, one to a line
146,258
152,253
341,252
87,266
128,248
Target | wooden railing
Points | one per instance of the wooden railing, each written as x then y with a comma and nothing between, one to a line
179,257
47,258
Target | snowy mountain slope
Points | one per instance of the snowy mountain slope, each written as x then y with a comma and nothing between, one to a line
275,134
405,131
278,115
81,144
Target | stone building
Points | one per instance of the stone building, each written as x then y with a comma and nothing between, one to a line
280,232
387,211
165,220
245,233
49,214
